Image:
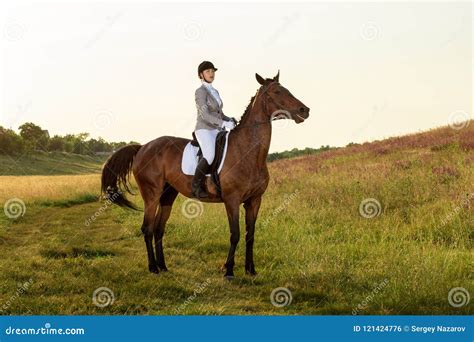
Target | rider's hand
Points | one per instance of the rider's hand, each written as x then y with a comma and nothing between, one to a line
228,124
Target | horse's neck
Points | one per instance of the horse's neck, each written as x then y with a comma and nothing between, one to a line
257,134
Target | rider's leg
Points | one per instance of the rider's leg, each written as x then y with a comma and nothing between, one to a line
207,141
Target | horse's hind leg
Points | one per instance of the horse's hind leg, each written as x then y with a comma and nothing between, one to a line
151,200
166,203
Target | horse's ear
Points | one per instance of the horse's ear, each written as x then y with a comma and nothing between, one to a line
277,77
259,79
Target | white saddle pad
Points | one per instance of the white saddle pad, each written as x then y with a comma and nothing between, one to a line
190,159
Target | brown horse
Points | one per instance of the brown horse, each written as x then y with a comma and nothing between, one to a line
244,177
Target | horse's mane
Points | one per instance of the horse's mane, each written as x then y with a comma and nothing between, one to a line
247,110
249,106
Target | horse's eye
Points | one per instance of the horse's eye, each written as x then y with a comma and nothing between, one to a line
277,92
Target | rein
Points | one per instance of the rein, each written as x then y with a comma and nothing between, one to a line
254,124
264,108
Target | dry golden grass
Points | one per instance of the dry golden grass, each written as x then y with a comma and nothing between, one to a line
34,188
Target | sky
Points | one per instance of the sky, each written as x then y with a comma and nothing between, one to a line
128,71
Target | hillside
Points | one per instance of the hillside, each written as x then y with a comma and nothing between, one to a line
50,163
443,138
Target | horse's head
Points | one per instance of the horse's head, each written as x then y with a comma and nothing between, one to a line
280,103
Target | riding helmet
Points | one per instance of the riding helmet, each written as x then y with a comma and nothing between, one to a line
204,66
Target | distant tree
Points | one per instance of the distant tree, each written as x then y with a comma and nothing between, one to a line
69,140
80,145
34,136
56,143
10,142
117,145
99,145
296,152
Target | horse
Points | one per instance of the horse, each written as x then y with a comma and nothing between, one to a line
244,177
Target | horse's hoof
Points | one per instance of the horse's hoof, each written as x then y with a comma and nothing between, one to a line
252,273
229,277
163,269
153,269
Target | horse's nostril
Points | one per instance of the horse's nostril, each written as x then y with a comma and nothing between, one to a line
303,109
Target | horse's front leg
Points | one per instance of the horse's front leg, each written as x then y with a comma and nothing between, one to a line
252,205
232,208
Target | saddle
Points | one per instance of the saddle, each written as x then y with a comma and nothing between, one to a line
219,153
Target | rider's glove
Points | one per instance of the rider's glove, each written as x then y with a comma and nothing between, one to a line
228,124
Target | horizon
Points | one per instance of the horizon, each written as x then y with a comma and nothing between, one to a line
458,125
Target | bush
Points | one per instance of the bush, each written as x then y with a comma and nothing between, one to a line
10,142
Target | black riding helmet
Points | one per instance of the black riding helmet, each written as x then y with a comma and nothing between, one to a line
204,66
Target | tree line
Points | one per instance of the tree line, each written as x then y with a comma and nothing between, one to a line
32,137
296,153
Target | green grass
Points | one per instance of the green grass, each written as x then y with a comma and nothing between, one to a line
310,238
52,163
66,203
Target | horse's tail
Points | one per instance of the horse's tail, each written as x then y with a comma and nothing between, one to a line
116,174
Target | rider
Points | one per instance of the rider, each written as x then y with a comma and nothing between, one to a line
210,121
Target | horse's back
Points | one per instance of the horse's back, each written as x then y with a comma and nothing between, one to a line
162,150
166,141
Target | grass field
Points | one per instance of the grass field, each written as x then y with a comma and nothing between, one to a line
401,254
52,163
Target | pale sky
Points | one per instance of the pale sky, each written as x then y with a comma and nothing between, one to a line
127,71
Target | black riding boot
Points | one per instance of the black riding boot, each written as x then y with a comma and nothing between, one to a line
199,179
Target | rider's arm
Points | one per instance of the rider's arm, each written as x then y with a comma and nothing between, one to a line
225,117
203,110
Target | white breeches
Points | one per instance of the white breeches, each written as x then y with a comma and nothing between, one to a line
207,140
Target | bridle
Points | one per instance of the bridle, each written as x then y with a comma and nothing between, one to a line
264,109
